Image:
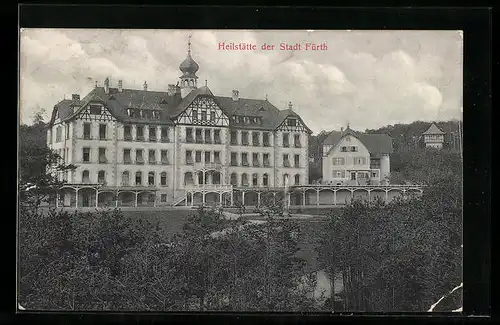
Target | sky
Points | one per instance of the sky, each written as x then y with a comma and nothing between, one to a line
368,79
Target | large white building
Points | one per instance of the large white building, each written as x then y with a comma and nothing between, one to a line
140,146
354,158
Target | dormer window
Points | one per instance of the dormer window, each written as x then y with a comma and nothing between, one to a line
235,119
129,112
141,113
256,120
156,114
246,120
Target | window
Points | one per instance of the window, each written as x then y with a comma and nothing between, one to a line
198,156
338,174
86,131
207,157
125,178
58,134
130,112
101,177
164,134
246,120
152,156
95,109
199,136
217,157
127,133
151,178
265,158
265,180
244,179
286,142
359,160
194,115
286,163
234,159
255,159
255,180
139,159
265,139
234,179
375,163
138,178
354,149
255,139
140,133
285,179
212,115
234,137
208,136
86,154
296,161
164,157
291,122
141,113
189,135
152,133
102,156
163,198
297,179
67,131
203,115
127,159
256,120
343,149
296,141
244,138
189,157
338,161
244,159
217,137
85,177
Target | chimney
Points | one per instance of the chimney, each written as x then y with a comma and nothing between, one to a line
171,89
120,86
75,97
290,106
341,129
106,85
145,86
236,95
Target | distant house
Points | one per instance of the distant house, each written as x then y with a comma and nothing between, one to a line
354,158
433,137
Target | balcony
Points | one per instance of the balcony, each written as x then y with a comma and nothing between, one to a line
210,186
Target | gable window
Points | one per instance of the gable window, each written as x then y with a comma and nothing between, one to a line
291,122
164,134
163,179
343,149
85,177
203,115
244,138
199,136
217,137
152,133
151,178
86,155
189,157
152,156
244,159
138,178
102,131
86,131
286,162
255,159
95,109
164,157
58,134
140,133
194,115
102,156
139,159
189,135
296,160
198,156
125,178
212,115
286,142
234,137
255,139
101,177
127,159
265,139
207,157
354,149
127,133
296,141
208,136
234,159
265,180
265,160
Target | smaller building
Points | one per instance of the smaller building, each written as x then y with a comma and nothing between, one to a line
354,158
433,137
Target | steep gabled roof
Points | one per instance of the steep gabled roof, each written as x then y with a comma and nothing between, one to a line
433,129
288,113
375,143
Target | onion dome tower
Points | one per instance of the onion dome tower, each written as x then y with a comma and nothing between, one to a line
189,68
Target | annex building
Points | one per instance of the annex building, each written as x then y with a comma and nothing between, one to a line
182,145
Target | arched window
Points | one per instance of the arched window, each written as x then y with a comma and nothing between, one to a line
297,179
265,180
138,178
244,179
285,180
163,179
255,180
151,178
125,178
188,178
85,177
101,177
234,179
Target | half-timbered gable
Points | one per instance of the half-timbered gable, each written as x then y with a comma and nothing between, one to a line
203,111
289,121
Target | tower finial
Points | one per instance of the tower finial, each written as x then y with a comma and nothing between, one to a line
348,124
189,43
